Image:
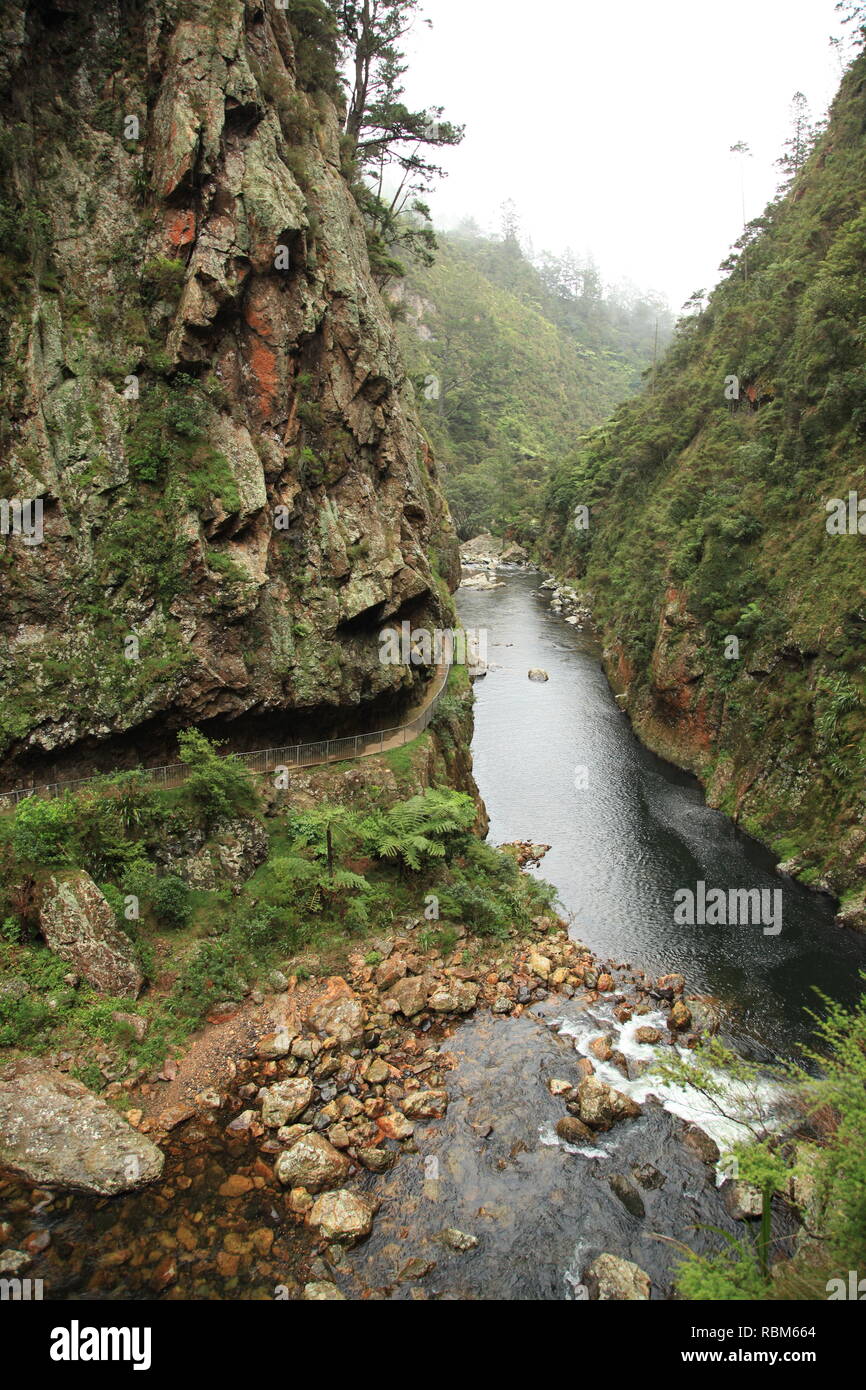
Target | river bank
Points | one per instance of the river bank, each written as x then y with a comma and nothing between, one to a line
559,761
361,1106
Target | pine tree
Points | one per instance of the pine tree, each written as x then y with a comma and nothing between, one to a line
388,143
799,143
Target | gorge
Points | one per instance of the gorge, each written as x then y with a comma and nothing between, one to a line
456,1017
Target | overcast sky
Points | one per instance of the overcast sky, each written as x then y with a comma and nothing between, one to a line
609,122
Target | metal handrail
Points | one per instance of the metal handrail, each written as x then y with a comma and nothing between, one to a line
266,760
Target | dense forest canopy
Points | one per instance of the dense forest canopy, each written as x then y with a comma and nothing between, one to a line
514,357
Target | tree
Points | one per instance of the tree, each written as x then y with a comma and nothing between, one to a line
387,142
325,829
744,151
418,829
216,785
853,12
801,139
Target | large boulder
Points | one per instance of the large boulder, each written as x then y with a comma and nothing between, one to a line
312,1162
338,1013
285,1101
56,1133
79,926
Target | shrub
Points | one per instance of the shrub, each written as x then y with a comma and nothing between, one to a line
44,831
216,786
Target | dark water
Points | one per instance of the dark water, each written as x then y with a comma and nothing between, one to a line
639,831
540,1210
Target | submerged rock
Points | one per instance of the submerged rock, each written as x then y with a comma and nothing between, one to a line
55,1132
461,1241
323,1291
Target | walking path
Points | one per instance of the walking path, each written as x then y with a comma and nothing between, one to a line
329,750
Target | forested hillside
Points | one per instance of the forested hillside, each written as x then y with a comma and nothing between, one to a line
730,585
513,361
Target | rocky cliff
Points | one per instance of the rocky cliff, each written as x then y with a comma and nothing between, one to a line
200,387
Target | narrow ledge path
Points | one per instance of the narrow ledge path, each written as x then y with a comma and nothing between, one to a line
330,750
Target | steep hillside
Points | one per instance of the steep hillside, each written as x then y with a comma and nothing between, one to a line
200,385
512,367
709,522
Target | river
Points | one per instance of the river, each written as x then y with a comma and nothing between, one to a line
638,830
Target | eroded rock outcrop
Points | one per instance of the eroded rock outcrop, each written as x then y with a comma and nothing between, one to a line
201,387
79,926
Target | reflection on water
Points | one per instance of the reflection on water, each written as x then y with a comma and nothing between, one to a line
639,831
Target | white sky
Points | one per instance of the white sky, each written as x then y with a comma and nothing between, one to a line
609,122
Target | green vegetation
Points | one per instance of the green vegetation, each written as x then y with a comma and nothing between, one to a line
333,874
817,1162
386,146
713,509
524,357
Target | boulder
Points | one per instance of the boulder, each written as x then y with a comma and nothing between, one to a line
285,1101
611,1279
706,1014
79,926
343,1216
601,1106
277,1044
425,1105
539,965
338,1013
571,1130
390,971
647,1035
407,996
536,674
743,1201
461,1241
680,1017
312,1163
56,1133
628,1195
700,1143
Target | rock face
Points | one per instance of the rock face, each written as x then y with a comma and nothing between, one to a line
80,927
205,393
55,1132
